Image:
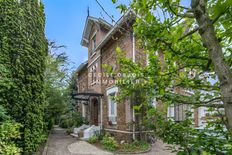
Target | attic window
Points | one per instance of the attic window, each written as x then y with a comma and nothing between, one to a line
94,43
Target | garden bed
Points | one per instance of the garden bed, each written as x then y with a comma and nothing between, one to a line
110,144
135,147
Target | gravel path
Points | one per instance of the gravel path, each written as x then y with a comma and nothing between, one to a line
59,143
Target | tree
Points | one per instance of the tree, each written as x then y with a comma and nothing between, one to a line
215,50
23,49
60,108
185,67
56,83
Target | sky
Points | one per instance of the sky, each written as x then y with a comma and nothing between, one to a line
65,21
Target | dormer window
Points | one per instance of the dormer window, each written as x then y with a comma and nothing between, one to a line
94,44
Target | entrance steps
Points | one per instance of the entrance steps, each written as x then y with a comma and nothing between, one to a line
77,131
84,132
91,131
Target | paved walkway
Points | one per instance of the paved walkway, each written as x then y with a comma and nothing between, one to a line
59,143
82,148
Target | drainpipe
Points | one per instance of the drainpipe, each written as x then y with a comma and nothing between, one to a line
101,113
133,59
133,47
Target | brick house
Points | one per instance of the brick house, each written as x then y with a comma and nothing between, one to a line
95,88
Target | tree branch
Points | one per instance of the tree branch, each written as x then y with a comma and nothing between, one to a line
204,103
188,34
183,7
196,29
187,14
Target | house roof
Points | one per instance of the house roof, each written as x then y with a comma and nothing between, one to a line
113,29
88,24
85,96
129,14
83,65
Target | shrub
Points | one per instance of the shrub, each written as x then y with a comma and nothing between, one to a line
100,136
50,123
109,143
135,146
69,131
93,139
9,132
71,120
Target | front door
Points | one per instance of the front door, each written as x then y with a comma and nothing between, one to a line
95,112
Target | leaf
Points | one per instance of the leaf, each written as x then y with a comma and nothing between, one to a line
122,8
114,1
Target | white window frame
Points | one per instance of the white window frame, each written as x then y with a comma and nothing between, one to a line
110,92
83,111
94,74
171,111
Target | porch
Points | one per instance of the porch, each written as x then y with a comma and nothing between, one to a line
90,104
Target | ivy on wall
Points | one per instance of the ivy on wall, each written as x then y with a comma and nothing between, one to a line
23,49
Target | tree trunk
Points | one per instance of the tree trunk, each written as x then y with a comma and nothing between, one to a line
222,69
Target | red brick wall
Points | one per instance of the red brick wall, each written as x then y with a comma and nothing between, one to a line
107,55
109,58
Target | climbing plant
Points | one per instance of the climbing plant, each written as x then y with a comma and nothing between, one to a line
23,49
9,131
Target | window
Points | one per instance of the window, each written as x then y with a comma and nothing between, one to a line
112,109
94,71
112,105
177,112
171,111
94,43
83,111
153,102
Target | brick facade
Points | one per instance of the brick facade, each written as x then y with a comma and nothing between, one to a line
93,78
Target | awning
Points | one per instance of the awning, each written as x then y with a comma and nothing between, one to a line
85,96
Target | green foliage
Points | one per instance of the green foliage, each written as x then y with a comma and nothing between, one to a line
93,139
212,139
177,62
69,131
58,87
71,119
23,50
136,146
3,115
122,8
109,143
9,132
56,91
100,136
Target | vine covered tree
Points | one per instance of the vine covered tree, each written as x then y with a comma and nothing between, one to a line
23,49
